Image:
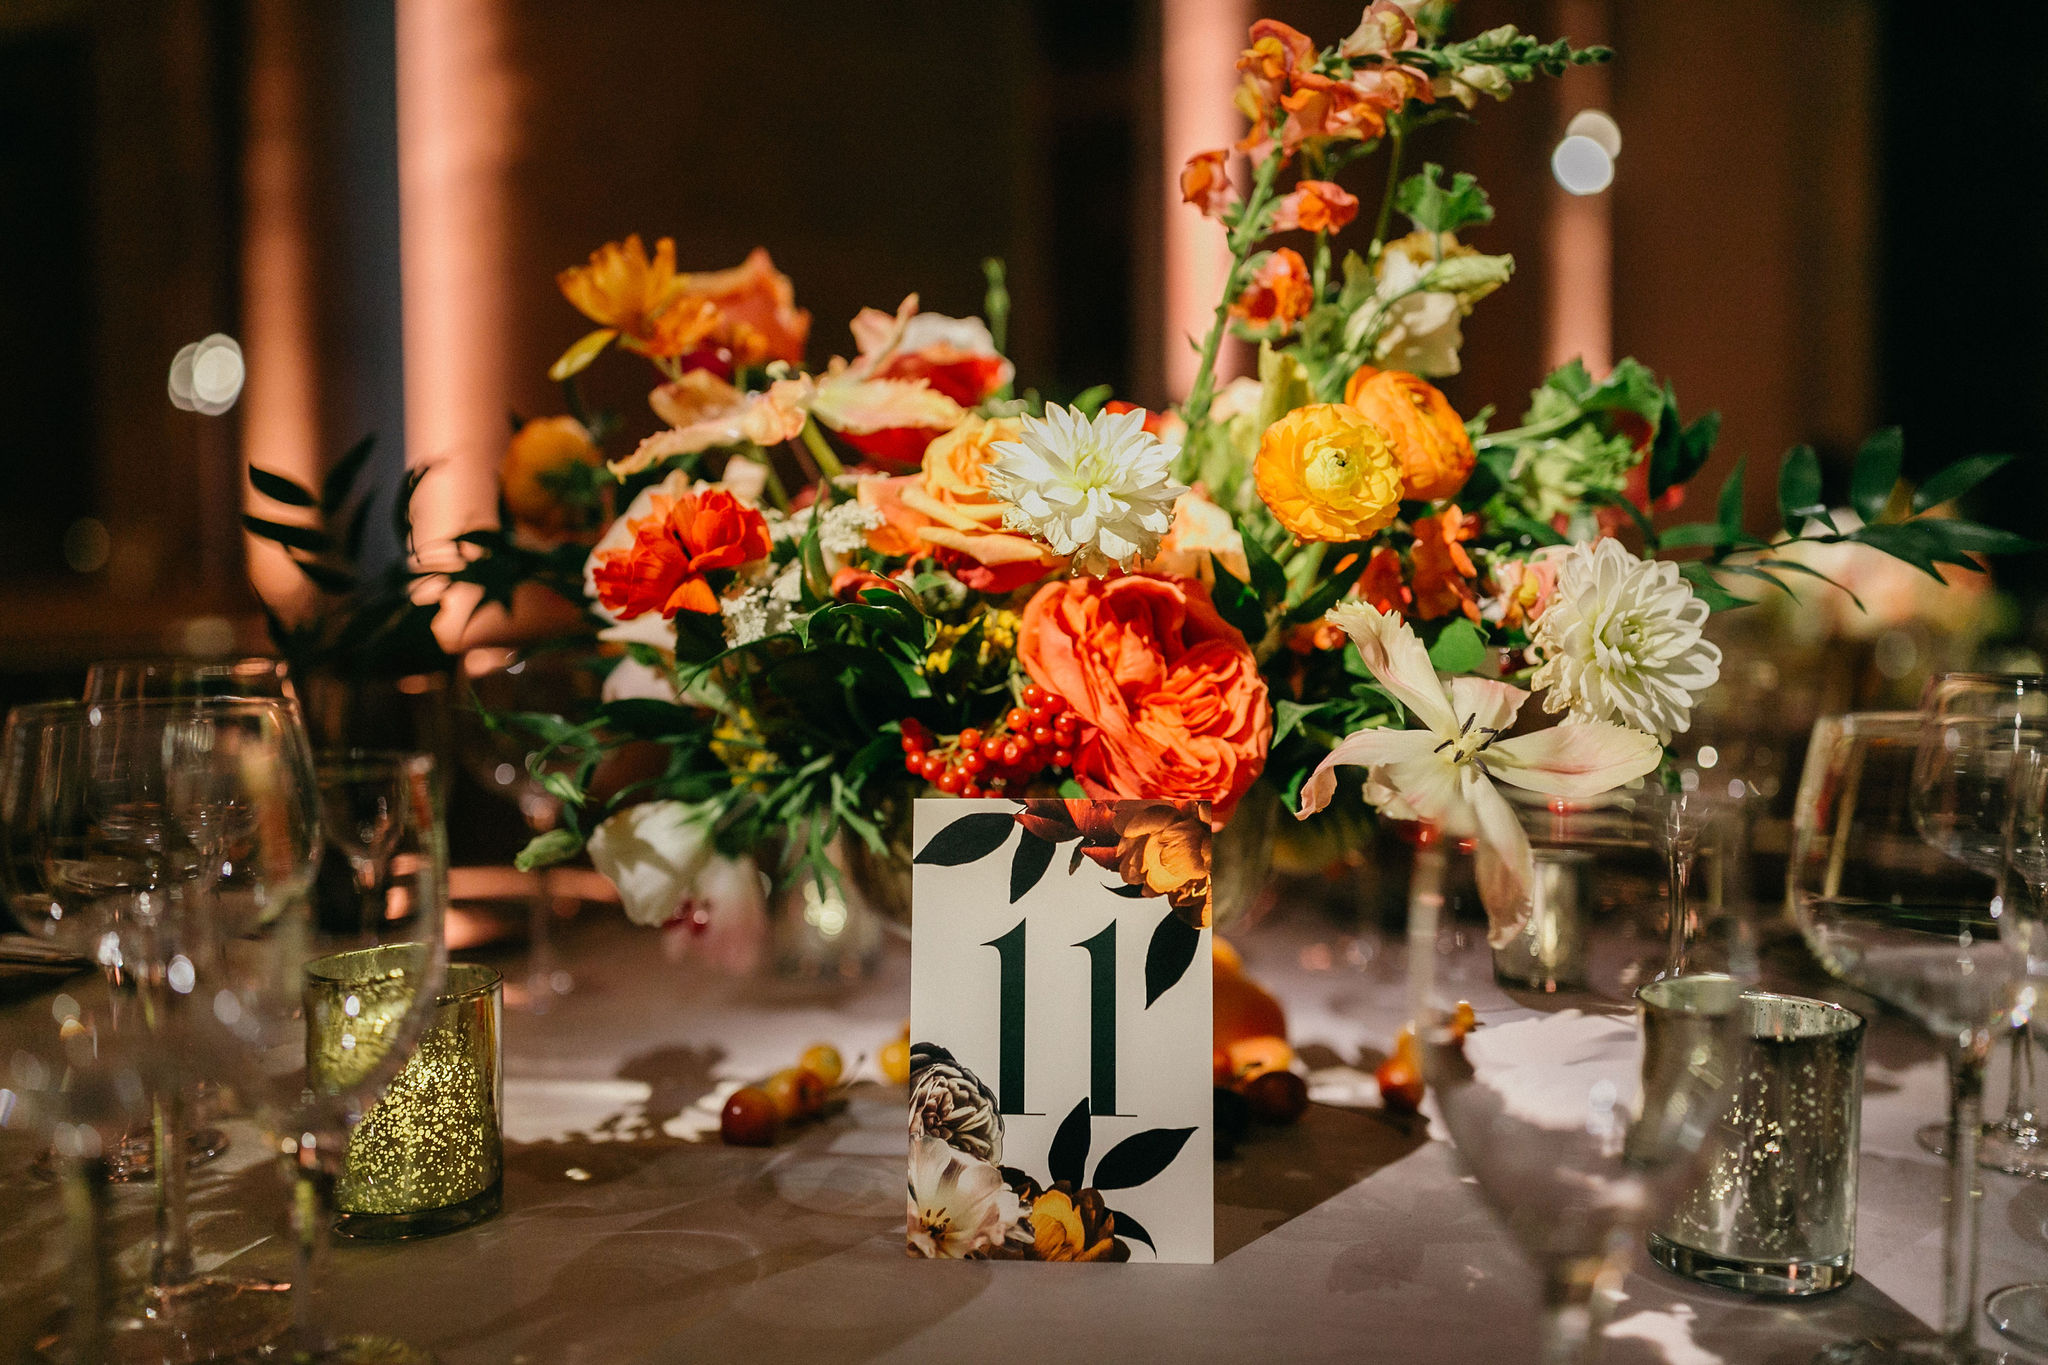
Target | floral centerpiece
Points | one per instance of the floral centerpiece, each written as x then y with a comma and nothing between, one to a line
821,591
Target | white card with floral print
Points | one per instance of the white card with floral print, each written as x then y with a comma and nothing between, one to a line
1060,1094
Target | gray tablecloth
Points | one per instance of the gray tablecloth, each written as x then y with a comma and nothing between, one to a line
628,1235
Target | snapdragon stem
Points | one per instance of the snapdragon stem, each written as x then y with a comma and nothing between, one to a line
1386,214
1242,238
821,450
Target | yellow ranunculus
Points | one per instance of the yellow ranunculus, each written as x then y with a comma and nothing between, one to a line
538,452
1328,473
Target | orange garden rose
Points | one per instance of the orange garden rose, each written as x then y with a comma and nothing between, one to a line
947,510
1444,572
1315,206
1169,696
1328,473
539,452
1280,291
1429,438
1205,182
663,570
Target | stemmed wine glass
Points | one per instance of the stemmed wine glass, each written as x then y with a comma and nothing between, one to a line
1887,912
362,802
106,834
506,686
1579,1123
1962,810
1677,820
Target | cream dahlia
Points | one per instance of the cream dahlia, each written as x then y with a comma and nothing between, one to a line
1621,642
1098,489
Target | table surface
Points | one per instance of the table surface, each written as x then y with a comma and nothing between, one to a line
632,1234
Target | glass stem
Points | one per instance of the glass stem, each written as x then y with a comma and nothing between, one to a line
2019,1103
1573,1312
540,962
1681,927
170,1261
1961,1201
311,1171
91,1269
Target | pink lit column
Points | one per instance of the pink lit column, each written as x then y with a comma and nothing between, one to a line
1199,44
1580,228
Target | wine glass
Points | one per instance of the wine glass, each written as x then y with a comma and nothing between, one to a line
1678,820
1579,1123
144,679
265,959
1962,810
503,686
110,832
362,805
1889,913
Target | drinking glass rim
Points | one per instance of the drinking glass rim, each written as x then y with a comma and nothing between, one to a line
75,706
396,758
322,971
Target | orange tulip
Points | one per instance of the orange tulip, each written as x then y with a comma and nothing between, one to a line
1429,437
1328,473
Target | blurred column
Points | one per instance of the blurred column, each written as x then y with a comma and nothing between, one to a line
1580,311
1198,48
457,136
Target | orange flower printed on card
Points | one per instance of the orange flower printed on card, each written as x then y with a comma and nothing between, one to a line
1315,206
1205,182
665,568
1445,576
1280,293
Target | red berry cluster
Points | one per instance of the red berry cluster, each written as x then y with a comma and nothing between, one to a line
1027,740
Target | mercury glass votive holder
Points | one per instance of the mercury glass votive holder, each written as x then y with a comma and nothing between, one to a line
1773,1211
429,1156
1549,952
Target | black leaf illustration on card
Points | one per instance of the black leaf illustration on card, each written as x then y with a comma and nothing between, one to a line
1068,1159
1167,958
1129,893
968,839
1138,1157
1129,1227
1034,856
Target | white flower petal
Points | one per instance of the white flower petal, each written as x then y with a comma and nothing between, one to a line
1397,659
1574,760
1366,748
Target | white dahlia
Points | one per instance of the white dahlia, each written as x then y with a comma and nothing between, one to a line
1098,489
1621,642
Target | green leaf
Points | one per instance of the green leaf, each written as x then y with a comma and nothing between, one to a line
1073,790
1287,715
341,480
279,487
1090,401
1679,451
578,357
1689,534
1459,648
563,788
1799,488
1728,509
1794,566
1239,605
1283,385
1970,537
1958,479
1268,578
1708,588
1876,472
545,850
1435,207
305,538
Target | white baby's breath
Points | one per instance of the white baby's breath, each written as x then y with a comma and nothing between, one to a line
1621,642
1099,489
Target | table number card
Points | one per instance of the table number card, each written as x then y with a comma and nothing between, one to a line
1060,1089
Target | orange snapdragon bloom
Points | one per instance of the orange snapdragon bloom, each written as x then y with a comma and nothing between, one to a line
1205,182
1381,583
1444,572
1429,437
1280,291
663,570
1315,206
1278,54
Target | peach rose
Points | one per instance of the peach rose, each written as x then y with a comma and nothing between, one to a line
1170,698
1429,437
1328,473
953,357
1201,537
946,510
1280,292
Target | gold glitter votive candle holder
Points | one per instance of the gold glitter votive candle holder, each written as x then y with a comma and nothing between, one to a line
429,1156
1773,1211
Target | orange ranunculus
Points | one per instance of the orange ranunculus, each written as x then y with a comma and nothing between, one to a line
1328,473
1315,206
683,539
1201,537
1381,583
1280,291
1169,695
540,453
1429,437
947,510
1205,182
1444,571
